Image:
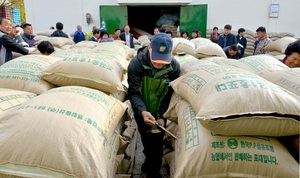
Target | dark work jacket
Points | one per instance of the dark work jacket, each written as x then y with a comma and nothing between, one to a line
230,40
93,39
242,41
7,45
149,88
29,39
59,33
226,51
123,38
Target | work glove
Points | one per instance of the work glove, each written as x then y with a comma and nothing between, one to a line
30,50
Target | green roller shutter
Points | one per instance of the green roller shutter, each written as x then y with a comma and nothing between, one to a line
112,17
193,17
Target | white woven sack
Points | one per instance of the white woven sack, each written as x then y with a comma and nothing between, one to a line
287,79
68,130
98,72
23,73
201,153
206,49
12,98
261,64
281,44
232,101
181,45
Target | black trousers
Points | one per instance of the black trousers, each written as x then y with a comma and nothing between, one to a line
153,146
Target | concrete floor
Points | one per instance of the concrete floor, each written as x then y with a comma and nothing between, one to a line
139,160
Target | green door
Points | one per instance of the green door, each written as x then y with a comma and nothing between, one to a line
112,17
193,17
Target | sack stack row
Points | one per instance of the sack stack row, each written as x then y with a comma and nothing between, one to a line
229,116
64,115
251,38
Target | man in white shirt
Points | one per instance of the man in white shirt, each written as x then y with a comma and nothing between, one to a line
127,37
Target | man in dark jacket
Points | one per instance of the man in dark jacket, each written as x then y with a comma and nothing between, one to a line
241,43
231,51
28,36
7,44
127,37
227,38
149,75
59,32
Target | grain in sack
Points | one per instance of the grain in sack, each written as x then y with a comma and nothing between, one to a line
68,131
12,98
201,153
96,71
23,73
232,101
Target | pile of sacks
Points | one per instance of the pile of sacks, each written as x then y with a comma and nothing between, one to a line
65,115
228,115
142,41
277,48
199,48
251,38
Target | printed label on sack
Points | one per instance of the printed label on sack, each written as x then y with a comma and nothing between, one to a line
234,149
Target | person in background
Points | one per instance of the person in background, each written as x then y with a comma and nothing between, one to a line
156,31
96,35
104,37
59,32
162,30
185,34
169,33
117,33
241,43
127,37
227,38
78,35
215,36
199,33
231,51
7,44
195,34
28,36
45,48
16,37
149,75
90,34
292,55
261,44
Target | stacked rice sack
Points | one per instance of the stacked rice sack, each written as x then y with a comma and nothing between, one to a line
277,48
229,118
75,126
199,47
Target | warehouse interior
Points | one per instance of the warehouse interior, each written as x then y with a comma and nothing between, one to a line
152,16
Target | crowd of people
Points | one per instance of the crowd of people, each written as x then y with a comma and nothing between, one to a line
149,72
233,46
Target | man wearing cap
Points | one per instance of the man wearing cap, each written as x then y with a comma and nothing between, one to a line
260,46
149,75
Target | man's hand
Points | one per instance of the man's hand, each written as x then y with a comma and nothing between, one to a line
31,49
148,118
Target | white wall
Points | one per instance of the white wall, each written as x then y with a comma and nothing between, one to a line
251,14
44,13
248,14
